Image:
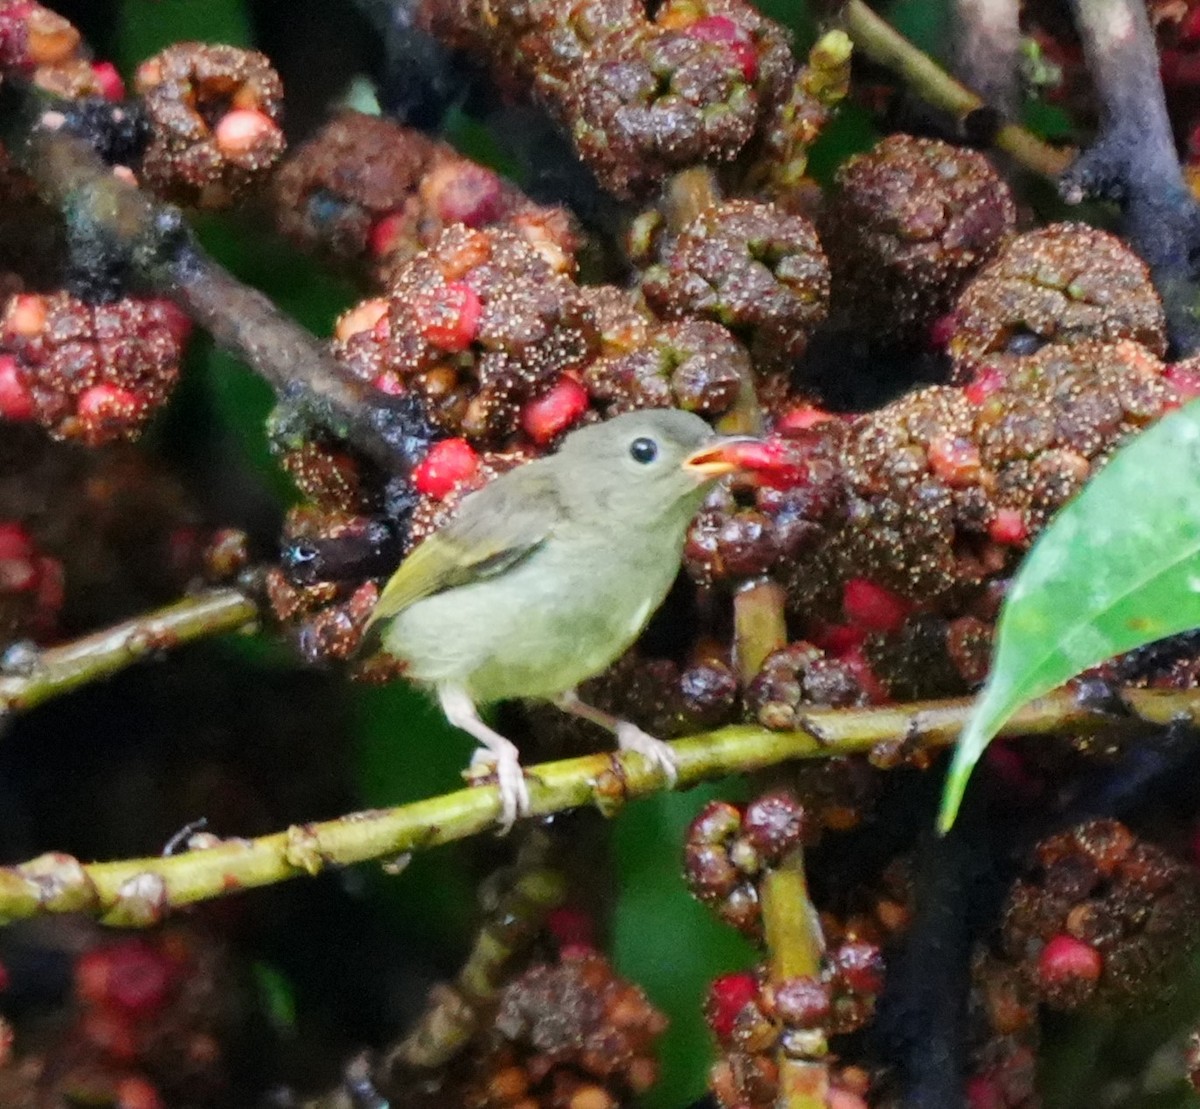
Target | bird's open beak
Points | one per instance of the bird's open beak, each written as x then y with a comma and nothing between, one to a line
725,456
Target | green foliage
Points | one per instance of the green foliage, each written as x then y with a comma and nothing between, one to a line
1118,567
146,26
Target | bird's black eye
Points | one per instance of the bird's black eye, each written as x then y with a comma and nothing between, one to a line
643,450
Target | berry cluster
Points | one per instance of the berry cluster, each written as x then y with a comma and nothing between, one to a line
640,97
47,49
214,114
366,191
92,372
152,1022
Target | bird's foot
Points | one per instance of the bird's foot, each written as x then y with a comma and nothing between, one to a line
631,738
504,762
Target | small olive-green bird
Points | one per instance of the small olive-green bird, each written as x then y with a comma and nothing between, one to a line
549,573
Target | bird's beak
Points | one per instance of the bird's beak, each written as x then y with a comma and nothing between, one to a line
725,456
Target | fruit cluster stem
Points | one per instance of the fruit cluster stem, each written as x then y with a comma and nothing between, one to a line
795,945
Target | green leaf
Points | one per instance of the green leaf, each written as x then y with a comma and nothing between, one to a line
1116,569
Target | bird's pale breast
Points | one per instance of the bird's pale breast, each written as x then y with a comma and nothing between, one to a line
542,627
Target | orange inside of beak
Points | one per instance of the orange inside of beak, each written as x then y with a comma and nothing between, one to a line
725,457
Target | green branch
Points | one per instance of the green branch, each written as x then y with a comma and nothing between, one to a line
876,39
138,892
60,670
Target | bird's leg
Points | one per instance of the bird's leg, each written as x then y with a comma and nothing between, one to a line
629,736
460,710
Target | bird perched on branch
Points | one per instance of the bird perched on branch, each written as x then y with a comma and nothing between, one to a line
549,573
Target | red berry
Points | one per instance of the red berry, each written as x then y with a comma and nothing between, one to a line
983,1092
571,928
137,1093
727,997
18,563
987,381
15,542
51,584
837,639
1184,380
16,401
723,31
775,463
1066,960
104,403
245,134
111,1033
856,662
385,233
131,977
941,331
25,316
860,967
109,81
801,418
173,318
468,194
448,462
1008,527
449,319
547,416
873,607
955,460
1189,26
390,383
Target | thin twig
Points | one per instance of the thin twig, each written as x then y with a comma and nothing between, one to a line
59,670
151,242
883,44
792,932
138,892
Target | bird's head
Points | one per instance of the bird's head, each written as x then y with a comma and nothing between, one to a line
647,464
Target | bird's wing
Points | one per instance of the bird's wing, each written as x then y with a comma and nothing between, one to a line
497,527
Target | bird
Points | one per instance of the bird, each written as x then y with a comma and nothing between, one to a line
548,574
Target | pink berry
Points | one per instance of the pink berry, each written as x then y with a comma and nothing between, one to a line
873,607
448,463
1008,527
727,997
983,1092
102,403
25,316
137,1093
837,639
468,194
362,317
16,401
1184,380
108,80
955,460
856,662
801,418
173,318
385,233
571,927
390,383
1066,960
723,31
987,381
860,967
245,134
449,320
18,561
941,331
549,415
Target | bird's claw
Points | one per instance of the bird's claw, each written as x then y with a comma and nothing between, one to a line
631,738
505,764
